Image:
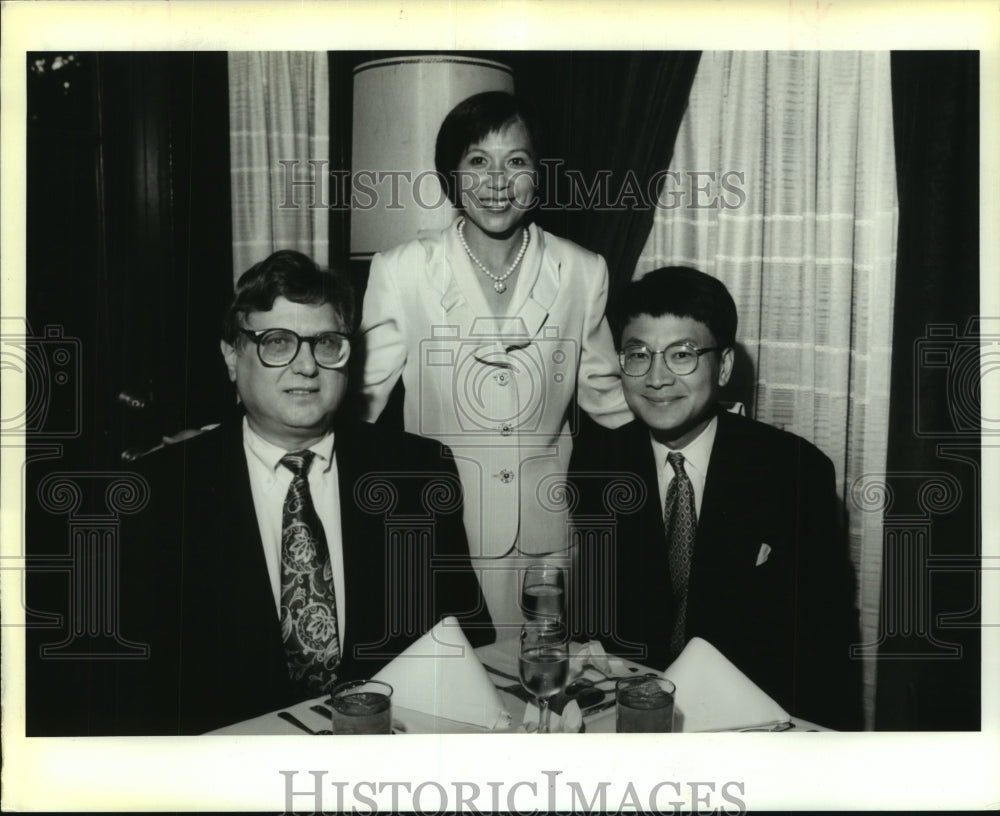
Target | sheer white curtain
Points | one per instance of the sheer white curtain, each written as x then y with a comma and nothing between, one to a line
799,221
279,111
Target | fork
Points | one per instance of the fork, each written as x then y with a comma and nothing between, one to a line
604,674
287,716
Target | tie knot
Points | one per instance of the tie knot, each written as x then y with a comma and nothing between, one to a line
298,462
676,461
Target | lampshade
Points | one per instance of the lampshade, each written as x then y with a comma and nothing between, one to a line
399,104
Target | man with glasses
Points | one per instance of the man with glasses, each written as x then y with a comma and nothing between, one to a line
289,549
732,530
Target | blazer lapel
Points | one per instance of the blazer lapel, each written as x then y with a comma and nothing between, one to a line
727,506
232,658
650,517
537,285
651,581
247,581
730,469
462,298
362,536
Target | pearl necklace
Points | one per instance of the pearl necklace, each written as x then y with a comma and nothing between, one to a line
498,280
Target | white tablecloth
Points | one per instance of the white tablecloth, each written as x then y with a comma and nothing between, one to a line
501,655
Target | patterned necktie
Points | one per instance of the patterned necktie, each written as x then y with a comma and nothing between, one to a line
308,605
679,522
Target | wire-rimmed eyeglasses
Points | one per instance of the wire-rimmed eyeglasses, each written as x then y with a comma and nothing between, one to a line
278,347
680,358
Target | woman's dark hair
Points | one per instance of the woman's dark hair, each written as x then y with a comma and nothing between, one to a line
471,121
683,292
293,276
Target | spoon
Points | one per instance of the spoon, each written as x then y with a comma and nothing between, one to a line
289,717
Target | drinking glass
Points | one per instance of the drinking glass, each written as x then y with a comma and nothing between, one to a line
644,705
362,707
542,593
543,663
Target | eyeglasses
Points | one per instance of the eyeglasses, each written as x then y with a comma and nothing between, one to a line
278,347
680,358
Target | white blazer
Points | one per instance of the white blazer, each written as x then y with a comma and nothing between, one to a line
496,390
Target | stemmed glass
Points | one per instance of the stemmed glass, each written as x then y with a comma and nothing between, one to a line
542,593
543,663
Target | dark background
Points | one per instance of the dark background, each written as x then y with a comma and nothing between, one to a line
129,253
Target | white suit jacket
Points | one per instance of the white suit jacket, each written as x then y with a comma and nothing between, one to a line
496,390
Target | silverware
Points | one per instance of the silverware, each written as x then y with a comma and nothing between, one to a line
780,726
594,668
287,716
322,710
581,683
599,707
605,675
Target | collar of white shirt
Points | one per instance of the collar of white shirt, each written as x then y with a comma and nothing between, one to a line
270,455
696,453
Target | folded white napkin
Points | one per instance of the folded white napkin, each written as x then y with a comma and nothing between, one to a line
440,675
593,653
713,695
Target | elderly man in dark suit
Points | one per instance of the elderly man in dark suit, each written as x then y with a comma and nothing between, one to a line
727,529
285,551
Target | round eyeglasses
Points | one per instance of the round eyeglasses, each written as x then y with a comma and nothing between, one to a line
680,358
278,347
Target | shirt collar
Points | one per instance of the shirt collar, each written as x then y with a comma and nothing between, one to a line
270,455
697,452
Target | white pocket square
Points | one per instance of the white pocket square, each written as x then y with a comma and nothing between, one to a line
762,556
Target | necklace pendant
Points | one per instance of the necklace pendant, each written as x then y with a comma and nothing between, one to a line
500,287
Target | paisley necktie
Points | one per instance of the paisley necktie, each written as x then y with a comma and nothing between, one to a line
308,604
680,523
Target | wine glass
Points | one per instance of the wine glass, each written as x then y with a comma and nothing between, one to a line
543,663
542,593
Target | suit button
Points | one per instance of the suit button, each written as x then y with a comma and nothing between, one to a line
506,429
502,378
506,476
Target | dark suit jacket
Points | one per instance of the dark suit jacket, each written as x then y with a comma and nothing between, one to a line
787,623
195,585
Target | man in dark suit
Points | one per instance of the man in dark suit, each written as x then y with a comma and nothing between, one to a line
723,528
282,552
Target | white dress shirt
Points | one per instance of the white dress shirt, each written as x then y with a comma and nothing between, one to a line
269,481
696,453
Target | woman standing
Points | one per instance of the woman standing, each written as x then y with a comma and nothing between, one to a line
495,327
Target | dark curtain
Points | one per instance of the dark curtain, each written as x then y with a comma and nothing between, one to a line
611,116
169,228
929,667
341,73
128,269
128,225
